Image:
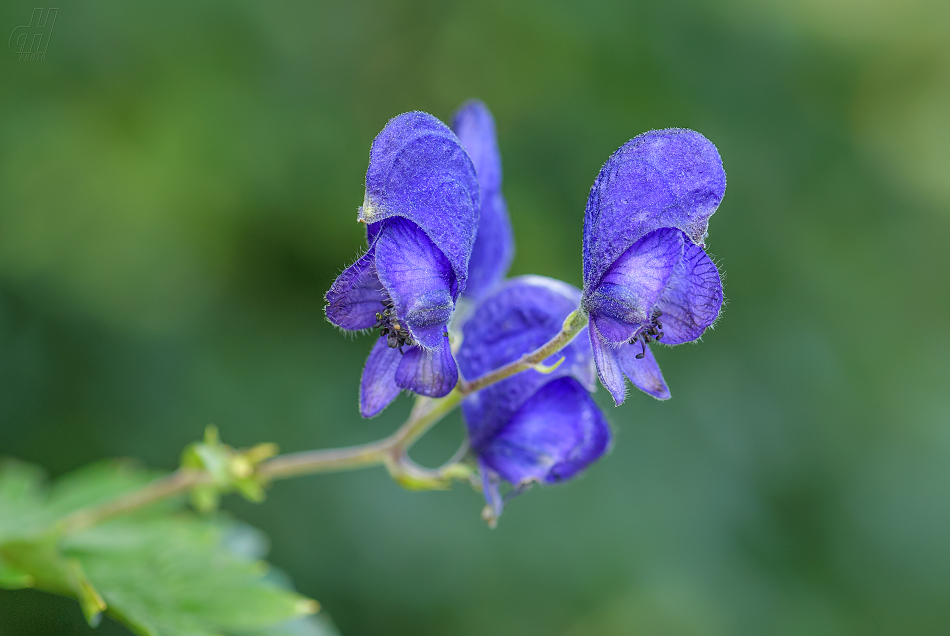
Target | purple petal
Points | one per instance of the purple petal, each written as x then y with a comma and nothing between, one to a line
475,127
608,367
644,372
494,244
613,331
356,295
693,299
494,247
418,170
634,283
418,278
663,178
432,373
378,386
555,434
519,317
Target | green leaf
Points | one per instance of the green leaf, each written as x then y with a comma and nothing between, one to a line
162,571
89,598
21,501
14,579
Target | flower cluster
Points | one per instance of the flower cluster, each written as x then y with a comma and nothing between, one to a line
438,234
534,426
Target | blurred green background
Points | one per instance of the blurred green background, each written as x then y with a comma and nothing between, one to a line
178,188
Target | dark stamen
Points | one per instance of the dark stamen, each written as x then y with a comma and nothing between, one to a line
649,334
397,335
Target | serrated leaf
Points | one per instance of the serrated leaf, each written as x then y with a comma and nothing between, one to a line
163,571
178,574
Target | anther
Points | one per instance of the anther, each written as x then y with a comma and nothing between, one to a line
396,334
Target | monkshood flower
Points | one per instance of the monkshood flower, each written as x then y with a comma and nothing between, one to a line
421,214
532,427
646,274
494,244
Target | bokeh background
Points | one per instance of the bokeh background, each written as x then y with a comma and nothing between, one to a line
178,188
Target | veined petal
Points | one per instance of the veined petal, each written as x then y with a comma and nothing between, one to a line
418,279
519,317
356,295
378,386
494,243
608,367
693,298
418,170
663,178
555,434
643,372
633,284
432,373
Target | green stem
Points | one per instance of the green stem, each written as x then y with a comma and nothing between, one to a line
573,324
391,451
176,483
324,461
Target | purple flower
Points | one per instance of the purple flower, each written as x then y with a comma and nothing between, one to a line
421,213
531,427
494,244
646,274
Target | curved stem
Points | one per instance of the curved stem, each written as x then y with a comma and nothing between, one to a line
391,451
573,325
325,460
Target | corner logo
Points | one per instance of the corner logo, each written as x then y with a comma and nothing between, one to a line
31,41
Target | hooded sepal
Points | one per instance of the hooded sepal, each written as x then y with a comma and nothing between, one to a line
663,178
418,170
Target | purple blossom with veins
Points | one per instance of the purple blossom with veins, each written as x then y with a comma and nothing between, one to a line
532,427
494,245
421,212
646,273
